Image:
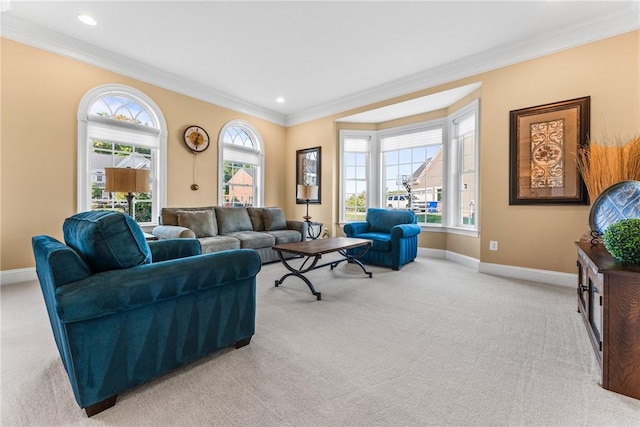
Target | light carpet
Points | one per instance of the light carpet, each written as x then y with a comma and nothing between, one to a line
432,344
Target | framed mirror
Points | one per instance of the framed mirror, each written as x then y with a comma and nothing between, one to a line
308,171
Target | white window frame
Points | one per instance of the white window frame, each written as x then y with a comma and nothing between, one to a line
258,149
454,165
373,197
450,178
158,163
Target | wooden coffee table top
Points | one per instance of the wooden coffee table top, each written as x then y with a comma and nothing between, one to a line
322,246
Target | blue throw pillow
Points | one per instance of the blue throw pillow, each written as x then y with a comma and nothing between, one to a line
107,240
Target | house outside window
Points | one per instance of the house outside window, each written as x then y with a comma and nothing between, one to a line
241,165
120,127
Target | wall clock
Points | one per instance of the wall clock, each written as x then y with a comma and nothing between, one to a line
196,138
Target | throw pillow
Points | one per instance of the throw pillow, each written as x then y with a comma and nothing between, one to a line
232,219
255,214
107,240
200,222
274,219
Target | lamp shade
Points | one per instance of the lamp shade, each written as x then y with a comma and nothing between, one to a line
127,180
307,192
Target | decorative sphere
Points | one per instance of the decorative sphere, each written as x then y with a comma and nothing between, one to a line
622,240
195,187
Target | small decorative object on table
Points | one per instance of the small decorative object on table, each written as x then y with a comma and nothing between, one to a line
616,203
622,240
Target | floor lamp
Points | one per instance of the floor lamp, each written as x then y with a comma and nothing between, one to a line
127,180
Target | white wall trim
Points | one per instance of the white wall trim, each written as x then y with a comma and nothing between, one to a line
8,277
512,272
625,19
531,274
33,35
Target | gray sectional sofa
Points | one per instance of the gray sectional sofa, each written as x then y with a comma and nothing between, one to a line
220,228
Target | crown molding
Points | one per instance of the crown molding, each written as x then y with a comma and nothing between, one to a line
33,35
624,20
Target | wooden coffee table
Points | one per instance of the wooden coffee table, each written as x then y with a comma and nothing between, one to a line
313,251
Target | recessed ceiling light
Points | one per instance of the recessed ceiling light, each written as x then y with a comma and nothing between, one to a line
280,100
86,19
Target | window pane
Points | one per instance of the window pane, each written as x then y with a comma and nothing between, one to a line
238,185
107,154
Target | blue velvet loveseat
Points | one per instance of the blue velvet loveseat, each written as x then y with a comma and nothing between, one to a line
124,311
394,234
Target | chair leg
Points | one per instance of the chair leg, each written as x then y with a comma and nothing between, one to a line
243,342
96,408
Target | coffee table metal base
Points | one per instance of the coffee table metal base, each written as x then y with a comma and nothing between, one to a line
299,272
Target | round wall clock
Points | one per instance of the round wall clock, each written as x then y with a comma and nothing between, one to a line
196,138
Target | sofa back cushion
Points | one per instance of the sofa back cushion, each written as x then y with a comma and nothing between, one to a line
255,214
383,220
274,219
232,219
169,216
107,240
202,223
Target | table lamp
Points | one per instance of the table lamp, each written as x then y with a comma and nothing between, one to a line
127,180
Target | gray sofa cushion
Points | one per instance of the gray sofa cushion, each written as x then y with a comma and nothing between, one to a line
274,219
255,214
286,236
202,223
218,243
253,239
232,219
169,216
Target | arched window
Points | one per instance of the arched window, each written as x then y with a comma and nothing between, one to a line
120,127
241,165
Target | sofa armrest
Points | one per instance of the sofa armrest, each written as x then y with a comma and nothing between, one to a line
164,250
354,228
405,230
299,226
116,291
172,232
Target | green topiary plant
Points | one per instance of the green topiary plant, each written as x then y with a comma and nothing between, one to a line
622,240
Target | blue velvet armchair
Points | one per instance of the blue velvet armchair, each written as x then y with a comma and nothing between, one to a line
394,234
124,311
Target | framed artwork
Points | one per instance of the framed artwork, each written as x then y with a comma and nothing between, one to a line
308,171
544,141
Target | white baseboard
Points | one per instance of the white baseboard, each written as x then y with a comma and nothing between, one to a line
8,277
543,276
522,273
531,274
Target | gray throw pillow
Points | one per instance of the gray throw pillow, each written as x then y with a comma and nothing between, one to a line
200,222
274,219
232,219
255,214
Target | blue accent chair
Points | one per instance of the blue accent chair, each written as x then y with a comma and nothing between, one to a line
394,234
124,311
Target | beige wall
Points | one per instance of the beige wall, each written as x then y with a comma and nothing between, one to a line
531,236
40,97
41,92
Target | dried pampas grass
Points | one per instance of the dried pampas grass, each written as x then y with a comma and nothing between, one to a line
603,165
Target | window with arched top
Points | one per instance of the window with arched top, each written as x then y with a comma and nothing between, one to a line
120,127
241,165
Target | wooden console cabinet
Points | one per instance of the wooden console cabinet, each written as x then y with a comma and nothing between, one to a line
609,301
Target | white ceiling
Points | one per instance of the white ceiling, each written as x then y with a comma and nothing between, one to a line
322,57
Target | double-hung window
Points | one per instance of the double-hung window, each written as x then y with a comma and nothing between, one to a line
356,173
430,168
120,127
412,165
241,165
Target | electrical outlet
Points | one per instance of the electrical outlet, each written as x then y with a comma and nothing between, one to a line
493,245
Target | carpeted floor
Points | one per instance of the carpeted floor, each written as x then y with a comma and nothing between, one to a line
433,344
